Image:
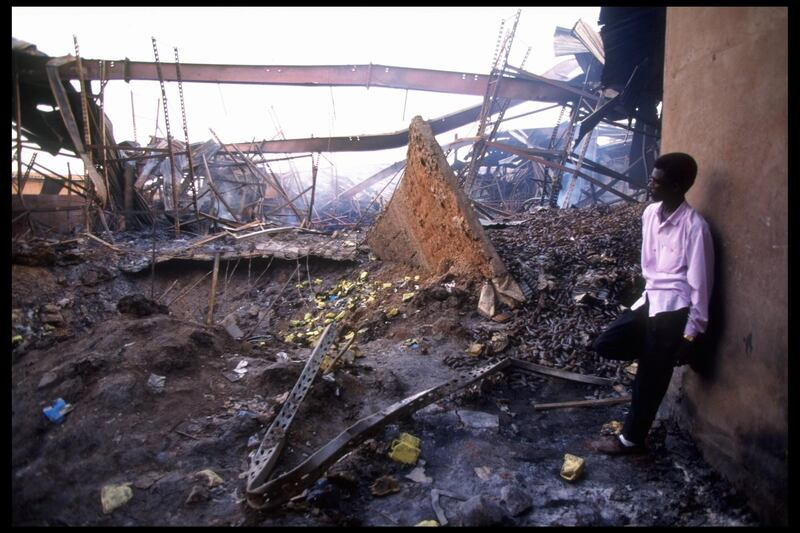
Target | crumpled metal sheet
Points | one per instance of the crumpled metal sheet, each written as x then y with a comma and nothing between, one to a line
296,247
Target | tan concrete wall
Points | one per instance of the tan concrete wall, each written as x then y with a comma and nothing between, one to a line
725,102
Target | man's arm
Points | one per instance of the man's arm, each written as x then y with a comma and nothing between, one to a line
700,276
645,254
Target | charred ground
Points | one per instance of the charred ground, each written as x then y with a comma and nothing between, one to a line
72,340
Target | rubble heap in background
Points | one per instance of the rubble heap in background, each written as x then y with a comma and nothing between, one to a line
582,266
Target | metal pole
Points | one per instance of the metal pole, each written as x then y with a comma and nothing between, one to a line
314,167
186,136
19,136
133,116
169,143
103,127
86,134
69,193
158,110
212,296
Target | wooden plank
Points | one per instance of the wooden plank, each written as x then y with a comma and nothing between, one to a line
101,241
265,232
582,403
563,374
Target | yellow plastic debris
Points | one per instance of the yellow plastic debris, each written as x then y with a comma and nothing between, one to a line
475,349
410,439
391,313
405,449
370,299
407,296
295,323
327,321
428,523
321,304
317,281
416,278
212,477
307,317
386,286
632,368
340,315
330,315
363,275
350,335
114,496
572,467
16,338
289,338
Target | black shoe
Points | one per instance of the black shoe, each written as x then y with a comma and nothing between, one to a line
613,446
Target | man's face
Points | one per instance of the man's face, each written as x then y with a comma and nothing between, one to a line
661,187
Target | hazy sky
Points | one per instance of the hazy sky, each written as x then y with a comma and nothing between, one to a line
444,38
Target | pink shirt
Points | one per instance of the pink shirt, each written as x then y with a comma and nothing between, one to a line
677,264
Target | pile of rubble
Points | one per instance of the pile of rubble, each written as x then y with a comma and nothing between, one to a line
582,266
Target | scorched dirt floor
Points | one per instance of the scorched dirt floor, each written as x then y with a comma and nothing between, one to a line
157,398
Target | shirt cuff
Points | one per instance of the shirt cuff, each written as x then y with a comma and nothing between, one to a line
691,331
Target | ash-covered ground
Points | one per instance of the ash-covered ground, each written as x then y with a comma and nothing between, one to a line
488,454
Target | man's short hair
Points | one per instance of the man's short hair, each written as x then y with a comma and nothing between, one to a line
678,167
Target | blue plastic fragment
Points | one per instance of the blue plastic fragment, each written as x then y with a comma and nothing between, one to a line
54,412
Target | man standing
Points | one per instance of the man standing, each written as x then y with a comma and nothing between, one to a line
661,328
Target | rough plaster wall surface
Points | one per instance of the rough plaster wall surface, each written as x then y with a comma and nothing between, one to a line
726,103
429,223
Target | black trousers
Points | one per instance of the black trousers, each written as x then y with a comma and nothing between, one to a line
654,341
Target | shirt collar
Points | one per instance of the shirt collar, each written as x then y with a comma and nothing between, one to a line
675,217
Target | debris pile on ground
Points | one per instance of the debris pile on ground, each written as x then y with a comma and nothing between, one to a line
582,266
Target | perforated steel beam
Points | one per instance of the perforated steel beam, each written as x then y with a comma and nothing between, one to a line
532,88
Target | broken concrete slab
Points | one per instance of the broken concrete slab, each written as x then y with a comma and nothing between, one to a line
155,383
479,511
429,223
515,500
486,303
479,420
229,323
48,378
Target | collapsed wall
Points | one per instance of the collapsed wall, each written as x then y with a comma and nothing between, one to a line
429,223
